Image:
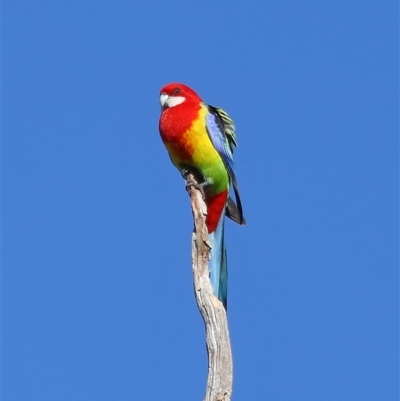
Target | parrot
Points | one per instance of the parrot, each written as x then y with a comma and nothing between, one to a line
200,140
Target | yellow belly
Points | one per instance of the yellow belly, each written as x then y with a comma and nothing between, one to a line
195,149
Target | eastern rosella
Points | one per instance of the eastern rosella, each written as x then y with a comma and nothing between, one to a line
200,139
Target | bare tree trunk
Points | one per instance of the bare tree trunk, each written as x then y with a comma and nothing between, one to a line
220,367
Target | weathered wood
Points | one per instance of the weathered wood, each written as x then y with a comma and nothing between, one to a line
220,366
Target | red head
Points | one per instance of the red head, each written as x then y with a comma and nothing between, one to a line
175,93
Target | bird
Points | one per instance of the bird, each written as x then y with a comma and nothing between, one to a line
200,139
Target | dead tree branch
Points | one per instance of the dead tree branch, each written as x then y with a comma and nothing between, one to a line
220,366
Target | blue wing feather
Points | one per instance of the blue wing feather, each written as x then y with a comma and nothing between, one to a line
221,131
220,142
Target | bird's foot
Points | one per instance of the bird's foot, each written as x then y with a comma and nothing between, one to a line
200,187
191,183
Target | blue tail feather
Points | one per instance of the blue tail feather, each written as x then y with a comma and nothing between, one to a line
218,263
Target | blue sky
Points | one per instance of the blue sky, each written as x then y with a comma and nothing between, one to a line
97,297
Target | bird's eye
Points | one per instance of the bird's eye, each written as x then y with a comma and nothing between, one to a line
176,91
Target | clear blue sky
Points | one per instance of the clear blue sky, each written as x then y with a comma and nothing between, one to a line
97,288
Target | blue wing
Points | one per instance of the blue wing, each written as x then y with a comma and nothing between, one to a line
221,131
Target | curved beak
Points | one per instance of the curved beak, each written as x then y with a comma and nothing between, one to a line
163,99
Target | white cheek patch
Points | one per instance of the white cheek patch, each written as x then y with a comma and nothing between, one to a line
174,101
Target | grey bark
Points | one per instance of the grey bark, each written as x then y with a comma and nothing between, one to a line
220,366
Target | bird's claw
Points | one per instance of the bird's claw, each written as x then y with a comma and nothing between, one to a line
200,187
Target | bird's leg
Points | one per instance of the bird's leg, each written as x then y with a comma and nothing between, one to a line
191,183
200,187
185,172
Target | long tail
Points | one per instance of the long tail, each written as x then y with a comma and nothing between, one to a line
218,261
